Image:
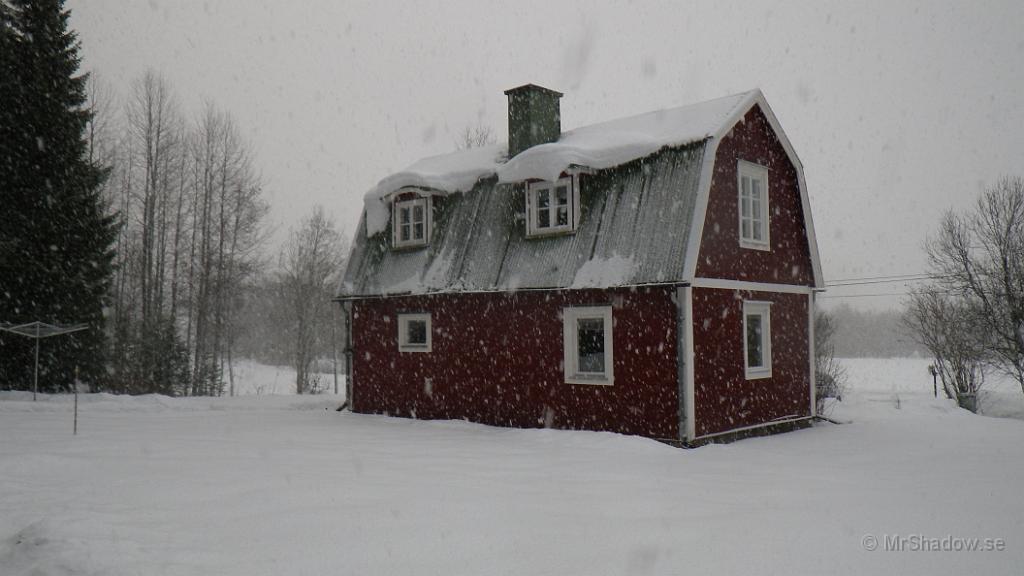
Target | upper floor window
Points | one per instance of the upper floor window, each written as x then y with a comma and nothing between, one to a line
551,206
757,339
753,203
411,222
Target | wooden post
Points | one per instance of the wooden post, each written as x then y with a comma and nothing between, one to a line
334,347
35,377
75,433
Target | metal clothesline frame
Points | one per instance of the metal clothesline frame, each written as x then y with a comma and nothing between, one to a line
37,331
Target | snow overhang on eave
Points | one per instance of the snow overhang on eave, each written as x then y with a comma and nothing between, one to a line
419,191
597,146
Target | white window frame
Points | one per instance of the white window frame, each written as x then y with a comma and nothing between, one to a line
533,189
570,318
403,333
396,218
764,310
753,172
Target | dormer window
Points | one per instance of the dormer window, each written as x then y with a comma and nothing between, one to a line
551,207
753,206
411,222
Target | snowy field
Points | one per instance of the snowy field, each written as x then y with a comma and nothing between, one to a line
260,379
272,485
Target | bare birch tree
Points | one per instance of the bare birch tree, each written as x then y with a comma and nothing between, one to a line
475,137
191,211
227,210
153,360
978,259
101,129
311,263
952,331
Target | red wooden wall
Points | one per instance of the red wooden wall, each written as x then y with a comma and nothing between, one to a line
789,261
497,359
724,399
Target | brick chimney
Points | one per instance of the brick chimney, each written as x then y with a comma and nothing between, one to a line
534,117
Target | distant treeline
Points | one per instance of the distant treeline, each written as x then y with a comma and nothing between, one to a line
873,334
195,285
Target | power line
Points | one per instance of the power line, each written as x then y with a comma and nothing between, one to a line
887,277
883,279
866,282
877,295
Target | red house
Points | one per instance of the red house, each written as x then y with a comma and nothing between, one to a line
653,275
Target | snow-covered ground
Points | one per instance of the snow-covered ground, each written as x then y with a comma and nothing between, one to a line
255,378
276,485
999,396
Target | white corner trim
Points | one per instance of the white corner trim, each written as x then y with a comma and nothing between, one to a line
810,352
756,97
689,405
726,284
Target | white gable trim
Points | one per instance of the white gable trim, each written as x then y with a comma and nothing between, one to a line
726,284
707,171
756,98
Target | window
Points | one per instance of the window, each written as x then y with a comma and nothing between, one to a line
551,207
414,333
753,187
412,222
587,337
757,339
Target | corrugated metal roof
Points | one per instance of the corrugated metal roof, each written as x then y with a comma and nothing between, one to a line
634,218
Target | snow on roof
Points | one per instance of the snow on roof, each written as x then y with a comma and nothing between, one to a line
597,146
454,172
478,247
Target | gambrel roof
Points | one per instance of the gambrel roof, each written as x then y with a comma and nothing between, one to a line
644,186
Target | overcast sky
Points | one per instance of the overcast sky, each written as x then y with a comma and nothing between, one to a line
898,110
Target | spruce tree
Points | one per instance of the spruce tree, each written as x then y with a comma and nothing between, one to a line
56,236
